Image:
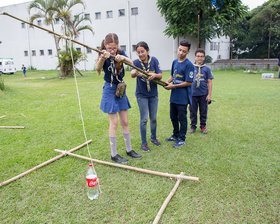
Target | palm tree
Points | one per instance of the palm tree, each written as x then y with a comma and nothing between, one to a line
42,8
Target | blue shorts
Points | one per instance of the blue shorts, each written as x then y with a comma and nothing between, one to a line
110,103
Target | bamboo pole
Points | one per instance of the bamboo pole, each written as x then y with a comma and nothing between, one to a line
43,164
164,205
3,116
13,127
129,167
146,74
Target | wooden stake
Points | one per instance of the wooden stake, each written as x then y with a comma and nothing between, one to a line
3,116
129,167
13,127
164,205
43,164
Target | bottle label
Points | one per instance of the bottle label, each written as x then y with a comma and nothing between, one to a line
92,182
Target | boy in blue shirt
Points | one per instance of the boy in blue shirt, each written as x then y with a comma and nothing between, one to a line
201,91
181,77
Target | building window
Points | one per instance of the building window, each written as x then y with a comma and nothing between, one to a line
56,20
123,47
33,53
109,14
121,12
25,53
134,11
98,15
39,22
22,25
79,49
50,51
214,46
42,53
88,50
87,16
133,47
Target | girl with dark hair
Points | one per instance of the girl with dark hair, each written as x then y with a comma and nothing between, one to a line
110,103
146,92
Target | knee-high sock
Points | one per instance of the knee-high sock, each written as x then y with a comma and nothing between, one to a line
127,141
113,145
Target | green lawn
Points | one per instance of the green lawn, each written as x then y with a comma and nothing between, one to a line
237,161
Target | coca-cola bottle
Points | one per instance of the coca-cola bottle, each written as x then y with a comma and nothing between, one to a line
92,183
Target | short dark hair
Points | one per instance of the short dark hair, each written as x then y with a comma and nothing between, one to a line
143,44
185,44
199,50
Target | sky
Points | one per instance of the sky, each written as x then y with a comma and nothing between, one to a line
251,3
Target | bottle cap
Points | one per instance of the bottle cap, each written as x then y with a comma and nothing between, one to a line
90,164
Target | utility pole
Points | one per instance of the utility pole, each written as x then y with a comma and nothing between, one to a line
269,37
198,30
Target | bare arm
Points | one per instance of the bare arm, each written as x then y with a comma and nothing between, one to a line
101,60
181,85
208,98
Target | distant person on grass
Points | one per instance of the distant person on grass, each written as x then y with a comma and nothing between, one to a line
201,91
180,84
23,68
278,65
110,103
146,92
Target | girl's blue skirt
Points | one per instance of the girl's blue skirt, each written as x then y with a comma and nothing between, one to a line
110,103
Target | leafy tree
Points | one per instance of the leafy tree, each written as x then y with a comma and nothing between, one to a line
181,16
252,33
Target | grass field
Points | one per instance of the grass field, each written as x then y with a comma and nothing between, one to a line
238,161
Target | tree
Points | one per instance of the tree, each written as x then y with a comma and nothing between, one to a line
42,10
181,16
253,33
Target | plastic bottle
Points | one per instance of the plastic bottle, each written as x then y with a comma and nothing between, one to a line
92,183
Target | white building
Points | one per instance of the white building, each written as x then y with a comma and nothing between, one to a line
132,20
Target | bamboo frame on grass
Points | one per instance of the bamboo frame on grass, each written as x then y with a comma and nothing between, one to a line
13,127
129,167
44,164
164,205
3,116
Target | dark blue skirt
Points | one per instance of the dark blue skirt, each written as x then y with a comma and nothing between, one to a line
110,103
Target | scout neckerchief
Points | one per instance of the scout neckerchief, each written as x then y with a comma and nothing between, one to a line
147,70
198,76
113,69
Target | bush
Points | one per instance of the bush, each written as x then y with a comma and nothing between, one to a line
208,59
2,85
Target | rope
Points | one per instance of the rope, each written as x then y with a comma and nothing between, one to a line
81,113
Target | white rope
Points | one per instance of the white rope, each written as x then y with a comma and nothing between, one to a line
81,113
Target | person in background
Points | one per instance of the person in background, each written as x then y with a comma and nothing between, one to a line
146,92
201,91
110,103
278,65
23,68
181,77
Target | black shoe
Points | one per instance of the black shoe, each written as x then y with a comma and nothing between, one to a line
155,141
133,154
171,139
145,148
118,159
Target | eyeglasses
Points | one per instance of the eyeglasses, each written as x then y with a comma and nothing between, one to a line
111,48
200,56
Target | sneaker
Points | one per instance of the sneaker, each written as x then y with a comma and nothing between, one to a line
145,148
171,139
192,131
133,154
118,159
203,130
155,141
179,143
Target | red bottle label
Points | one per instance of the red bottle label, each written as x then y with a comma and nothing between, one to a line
92,182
